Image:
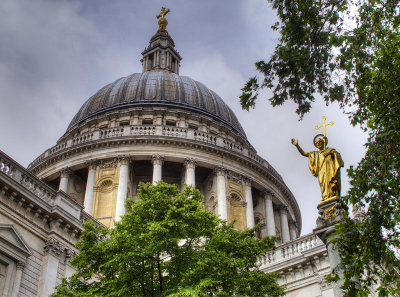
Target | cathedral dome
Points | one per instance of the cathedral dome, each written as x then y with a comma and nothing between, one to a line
158,89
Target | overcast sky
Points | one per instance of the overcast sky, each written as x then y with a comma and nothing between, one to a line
55,54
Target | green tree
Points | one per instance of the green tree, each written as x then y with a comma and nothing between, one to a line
167,244
348,52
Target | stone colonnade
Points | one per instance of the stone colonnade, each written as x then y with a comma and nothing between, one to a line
288,227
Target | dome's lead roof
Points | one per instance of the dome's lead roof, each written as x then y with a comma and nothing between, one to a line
158,89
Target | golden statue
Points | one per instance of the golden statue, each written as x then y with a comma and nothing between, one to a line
162,22
324,164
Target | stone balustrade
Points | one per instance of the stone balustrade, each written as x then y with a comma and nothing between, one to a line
41,195
156,130
289,250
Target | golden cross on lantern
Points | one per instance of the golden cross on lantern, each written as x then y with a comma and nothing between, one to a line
324,125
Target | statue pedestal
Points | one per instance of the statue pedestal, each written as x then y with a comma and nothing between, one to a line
330,213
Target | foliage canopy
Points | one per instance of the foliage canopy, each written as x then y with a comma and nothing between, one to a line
167,244
348,51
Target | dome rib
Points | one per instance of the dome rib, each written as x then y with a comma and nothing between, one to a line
158,89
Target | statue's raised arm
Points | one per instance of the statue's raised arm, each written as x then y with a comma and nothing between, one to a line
295,142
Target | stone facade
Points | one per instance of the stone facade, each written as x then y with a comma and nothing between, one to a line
145,128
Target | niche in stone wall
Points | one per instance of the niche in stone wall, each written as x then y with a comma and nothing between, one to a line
236,205
105,191
237,211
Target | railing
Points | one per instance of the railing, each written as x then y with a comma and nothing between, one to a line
150,130
42,195
205,137
174,131
289,250
21,176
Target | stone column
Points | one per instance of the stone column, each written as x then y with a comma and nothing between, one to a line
89,192
269,214
221,193
157,168
64,179
190,177
17,280
292,229
249,203
122,188
52,251
284,224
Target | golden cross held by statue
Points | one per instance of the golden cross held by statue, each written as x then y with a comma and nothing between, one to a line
324,125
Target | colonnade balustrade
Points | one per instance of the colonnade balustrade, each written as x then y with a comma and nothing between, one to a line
288,228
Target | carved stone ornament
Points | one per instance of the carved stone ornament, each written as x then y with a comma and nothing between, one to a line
268,194
92,164
124,160
235,176
54,247
190,163
247,181
69,254
157,159
220,170
65,172
330,212
108,163
20,265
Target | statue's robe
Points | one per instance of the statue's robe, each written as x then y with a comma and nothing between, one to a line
327,169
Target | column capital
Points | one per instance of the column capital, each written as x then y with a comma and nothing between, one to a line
157,159
65,172
268,194
247,181
190,163
53,247
283,209
124,160
220,171
92,164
